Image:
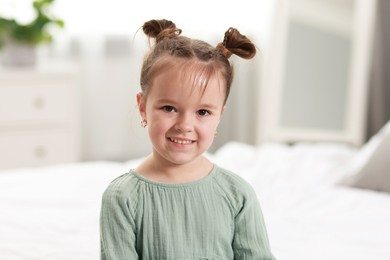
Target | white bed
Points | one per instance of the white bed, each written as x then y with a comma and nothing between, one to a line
53,212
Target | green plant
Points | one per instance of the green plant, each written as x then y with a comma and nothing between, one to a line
35,32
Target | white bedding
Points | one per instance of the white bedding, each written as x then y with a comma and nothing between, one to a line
53,212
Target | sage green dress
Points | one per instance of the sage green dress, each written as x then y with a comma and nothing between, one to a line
217,217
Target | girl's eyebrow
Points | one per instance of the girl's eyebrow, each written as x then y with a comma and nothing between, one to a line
208,106
170,101
165,100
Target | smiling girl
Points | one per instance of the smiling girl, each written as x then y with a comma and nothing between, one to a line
177,204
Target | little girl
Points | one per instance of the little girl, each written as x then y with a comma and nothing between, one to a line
177,204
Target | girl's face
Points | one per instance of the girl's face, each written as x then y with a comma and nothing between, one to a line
182,117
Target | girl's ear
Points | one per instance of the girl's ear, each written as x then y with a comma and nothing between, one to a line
141,104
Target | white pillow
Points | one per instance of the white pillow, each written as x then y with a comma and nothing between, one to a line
371,166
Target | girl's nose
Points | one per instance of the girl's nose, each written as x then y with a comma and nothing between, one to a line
184,123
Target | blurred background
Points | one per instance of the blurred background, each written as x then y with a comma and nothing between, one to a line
75,98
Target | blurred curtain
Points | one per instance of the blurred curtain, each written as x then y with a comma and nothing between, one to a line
379,85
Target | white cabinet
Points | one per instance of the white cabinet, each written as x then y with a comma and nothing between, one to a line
39,117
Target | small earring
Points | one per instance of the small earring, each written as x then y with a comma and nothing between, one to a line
143,123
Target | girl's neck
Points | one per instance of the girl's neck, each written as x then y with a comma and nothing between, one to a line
161,171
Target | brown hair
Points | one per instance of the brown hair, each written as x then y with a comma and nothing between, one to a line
195,53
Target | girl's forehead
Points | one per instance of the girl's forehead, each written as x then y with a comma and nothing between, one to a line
189,81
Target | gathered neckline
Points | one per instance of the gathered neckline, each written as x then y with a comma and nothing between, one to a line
175,185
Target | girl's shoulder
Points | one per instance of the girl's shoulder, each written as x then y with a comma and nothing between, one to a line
122,187
235,187
231,179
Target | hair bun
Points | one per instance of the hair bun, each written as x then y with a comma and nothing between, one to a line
236,43
160,29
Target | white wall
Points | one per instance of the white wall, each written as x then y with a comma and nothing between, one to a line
200,18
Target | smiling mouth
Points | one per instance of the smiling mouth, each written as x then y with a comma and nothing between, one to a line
179,141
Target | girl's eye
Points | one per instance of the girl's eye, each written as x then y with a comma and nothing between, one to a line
203,112
168,109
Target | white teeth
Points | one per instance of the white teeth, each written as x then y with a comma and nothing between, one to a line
180,141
